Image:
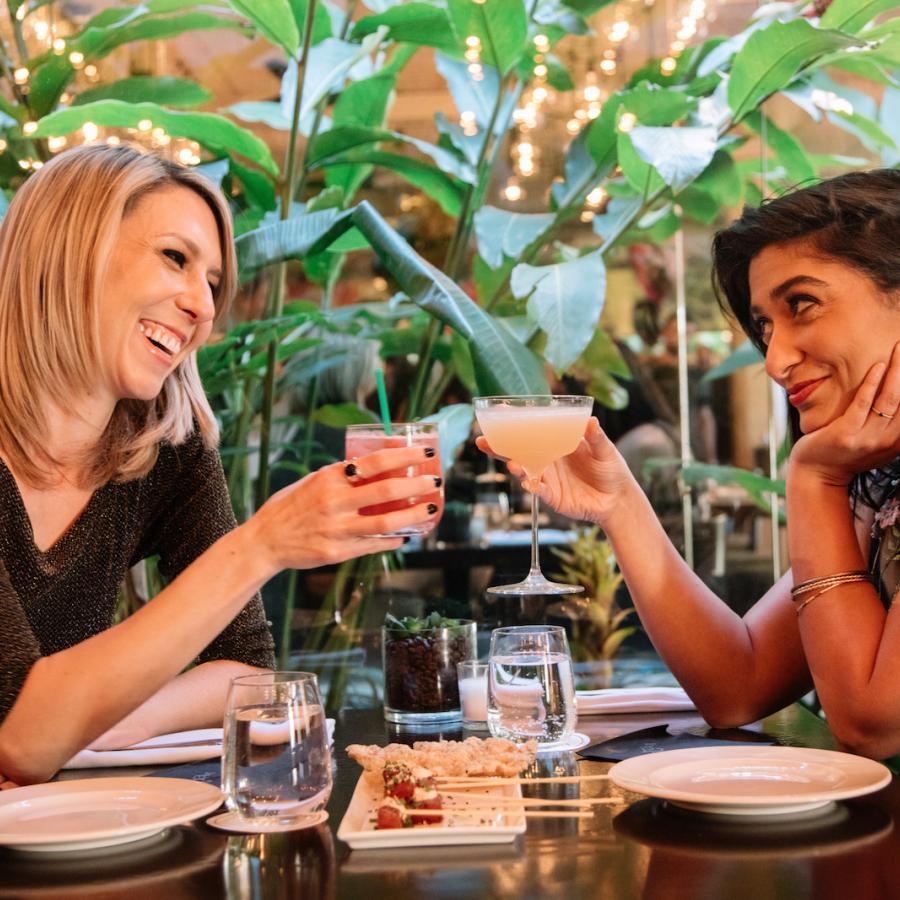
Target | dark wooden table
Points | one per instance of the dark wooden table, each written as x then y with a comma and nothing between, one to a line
639,849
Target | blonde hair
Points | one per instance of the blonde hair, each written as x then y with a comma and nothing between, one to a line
55,245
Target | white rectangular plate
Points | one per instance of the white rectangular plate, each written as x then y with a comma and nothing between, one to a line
358,825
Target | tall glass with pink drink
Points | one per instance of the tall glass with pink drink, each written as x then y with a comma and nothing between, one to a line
364,439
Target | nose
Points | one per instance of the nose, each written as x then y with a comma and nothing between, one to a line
197,301
782,354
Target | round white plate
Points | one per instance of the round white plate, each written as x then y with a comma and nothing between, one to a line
575,741
232,821
748,781
99,812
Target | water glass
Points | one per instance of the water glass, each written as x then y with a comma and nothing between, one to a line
531,688
473,692
276,763
369,438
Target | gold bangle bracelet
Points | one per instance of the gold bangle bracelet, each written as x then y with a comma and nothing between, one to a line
849,578
829,580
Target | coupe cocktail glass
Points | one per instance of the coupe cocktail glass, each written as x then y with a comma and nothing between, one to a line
534,431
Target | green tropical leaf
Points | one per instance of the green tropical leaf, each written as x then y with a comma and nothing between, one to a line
653,105
336,140
601,138
501,232
851,15
446,190
771,58
679,155
321,24
638,173
787,149
215,132
618,214
587,7
502,364
478,97
722,181
422,24
340,415
288,239
274,19
166,90
869,132
51,74
501,25
602,354
267,112
565,300
454,424
607,390
258,189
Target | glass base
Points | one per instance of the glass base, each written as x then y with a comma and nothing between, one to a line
536,584
403,717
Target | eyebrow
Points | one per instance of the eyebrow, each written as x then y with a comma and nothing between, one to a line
195,250
778,292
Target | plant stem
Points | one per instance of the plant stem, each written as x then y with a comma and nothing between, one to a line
276,296
457,249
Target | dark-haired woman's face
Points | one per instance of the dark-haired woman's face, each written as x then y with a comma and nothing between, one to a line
824,323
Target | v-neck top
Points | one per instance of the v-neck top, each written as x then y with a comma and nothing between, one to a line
53,599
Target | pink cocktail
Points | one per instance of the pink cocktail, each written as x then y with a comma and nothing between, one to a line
364,439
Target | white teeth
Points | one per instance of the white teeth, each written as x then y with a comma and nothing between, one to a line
161,336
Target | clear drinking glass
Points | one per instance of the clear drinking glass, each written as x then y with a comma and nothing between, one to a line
531,688
534,432
276,764
363,439
473,691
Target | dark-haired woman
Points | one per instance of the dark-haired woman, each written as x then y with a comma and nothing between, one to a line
814,279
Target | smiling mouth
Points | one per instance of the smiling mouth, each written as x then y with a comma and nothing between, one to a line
800,393
160,337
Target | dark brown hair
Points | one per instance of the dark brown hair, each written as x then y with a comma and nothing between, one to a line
854,218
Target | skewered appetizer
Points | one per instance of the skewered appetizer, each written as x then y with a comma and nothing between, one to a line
405,791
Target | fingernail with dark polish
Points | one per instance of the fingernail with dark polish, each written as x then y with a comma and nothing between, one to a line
438,482
350,470
406,540
429,452
432,509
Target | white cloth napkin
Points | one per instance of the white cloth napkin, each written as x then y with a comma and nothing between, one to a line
611,701
147,753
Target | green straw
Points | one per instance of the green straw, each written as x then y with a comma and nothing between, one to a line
383,403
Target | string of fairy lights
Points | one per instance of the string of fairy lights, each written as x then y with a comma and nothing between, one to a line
40,30
541,105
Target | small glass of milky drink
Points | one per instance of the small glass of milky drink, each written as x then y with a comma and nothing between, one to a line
473,693
364,439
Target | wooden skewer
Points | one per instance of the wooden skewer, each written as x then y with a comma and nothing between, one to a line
493,812
482,800
467,781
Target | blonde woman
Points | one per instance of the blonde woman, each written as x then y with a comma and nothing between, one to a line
114,267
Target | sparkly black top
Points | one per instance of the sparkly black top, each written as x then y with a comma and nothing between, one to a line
52,600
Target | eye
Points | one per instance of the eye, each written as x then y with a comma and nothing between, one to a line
763,330
799,303
176,256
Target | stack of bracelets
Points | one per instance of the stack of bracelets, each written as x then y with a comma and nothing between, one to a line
815,587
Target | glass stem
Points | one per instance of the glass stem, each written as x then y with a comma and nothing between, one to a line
535,555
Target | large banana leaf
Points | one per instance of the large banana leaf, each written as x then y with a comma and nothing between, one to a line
502,364
501,26
772,57
454,424
168,91
218,134
565,300
274,19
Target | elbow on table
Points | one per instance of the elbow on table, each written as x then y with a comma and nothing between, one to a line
20,765
866,737
719,713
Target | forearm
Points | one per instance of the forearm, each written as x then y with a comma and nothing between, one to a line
844,630
72,697
698,636
193,699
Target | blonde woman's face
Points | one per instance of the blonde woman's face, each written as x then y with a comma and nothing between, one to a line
156,303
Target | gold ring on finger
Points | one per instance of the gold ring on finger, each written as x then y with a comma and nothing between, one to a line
883,415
